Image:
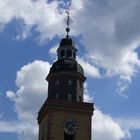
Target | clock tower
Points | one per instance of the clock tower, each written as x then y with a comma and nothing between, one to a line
64,115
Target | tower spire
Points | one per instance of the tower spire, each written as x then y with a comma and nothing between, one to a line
68,24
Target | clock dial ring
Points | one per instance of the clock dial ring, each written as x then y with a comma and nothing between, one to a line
70,126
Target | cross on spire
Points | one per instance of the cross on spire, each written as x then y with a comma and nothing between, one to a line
68,23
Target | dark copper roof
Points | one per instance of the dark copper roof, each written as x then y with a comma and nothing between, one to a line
67,42
67,65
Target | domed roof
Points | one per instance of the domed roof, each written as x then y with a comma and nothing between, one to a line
67,42
66,65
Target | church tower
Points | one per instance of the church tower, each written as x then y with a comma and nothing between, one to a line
64,115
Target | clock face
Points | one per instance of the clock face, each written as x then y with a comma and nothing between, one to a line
70,126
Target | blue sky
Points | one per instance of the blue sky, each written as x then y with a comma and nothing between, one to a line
107,36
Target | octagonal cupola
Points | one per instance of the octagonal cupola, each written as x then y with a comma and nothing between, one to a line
67,49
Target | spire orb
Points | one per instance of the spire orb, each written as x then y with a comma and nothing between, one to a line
67,29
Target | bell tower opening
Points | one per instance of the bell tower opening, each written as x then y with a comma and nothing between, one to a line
69,53
62,53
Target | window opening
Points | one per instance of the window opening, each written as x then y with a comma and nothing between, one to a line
69,53
69,82
69,97
57,96
74,55
80,98
80,83
62,53
57,82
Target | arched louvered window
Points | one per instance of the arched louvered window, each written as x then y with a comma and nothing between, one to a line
62,53
69,53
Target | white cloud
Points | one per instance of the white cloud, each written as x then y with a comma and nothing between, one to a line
89,69
53,51
87,95
26,130
31,94
45,16
8,127
111,34
23,32
130,123
104,126
11,95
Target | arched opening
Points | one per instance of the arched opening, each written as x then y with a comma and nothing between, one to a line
69,53
69,82
62,53
69,97
57,82
57,96
80,84
74,55
80,99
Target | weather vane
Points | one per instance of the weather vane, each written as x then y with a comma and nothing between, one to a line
68,23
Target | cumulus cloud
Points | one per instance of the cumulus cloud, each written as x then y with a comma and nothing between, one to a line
45,16
110,30
87,97
89,69
130,123
53,52
8,127
111,34
31,94
104,126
